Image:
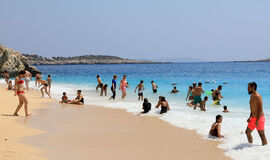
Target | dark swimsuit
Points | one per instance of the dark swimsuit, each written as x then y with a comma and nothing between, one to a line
163,109
146,107
214,132
82,100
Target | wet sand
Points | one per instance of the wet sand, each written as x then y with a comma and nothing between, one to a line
92,132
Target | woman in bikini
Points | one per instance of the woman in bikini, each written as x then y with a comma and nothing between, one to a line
6,76
164,105
44,85
20,93
123,86
216,127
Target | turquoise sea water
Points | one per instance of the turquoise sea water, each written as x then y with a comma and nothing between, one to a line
69,78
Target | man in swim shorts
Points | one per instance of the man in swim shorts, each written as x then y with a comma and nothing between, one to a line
256,118
100,84
197,92
140,87
154,87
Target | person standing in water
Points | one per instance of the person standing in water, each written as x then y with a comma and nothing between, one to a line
38,77
28,75
189,94
256,118
154,87
6,74
123,86
140,90
197,92
113,88
49,82
21,95
100,84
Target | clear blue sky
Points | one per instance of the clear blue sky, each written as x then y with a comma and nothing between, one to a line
203,29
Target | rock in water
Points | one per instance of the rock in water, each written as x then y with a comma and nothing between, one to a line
14,62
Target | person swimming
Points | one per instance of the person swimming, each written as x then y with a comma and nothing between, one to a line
64,98
18,88
216,127
174,90
225,110
164,105
154,87
79,99
146,106
140,87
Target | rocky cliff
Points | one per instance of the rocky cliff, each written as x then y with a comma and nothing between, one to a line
86,59
13,61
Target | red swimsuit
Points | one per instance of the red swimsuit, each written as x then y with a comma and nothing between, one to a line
20,82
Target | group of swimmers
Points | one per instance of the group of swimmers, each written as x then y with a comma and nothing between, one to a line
255,120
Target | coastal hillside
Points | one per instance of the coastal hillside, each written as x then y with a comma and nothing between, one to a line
13,62
86,59
260,60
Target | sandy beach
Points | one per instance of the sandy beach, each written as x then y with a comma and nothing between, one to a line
69,132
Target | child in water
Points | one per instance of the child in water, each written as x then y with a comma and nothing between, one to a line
203,103
146,106
225,109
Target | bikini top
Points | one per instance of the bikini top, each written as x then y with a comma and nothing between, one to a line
20,82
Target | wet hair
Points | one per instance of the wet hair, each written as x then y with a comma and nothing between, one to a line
141,81
80,91
152,81
205,98
106,85
200,84
253,85
225,107
49,75
163,98
217,117
190,87
64,92
22,72
145,100
220,87
194,84
97,76
114,76
212,90
174,87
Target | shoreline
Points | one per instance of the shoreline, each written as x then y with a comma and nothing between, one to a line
136,121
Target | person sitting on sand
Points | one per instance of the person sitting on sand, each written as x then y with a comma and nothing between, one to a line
146,106
19,91
64,98
174,90
225,109
189,94
10,87
44,85
164,105
216,127
140,87
154,87
203,104
79,99
104,89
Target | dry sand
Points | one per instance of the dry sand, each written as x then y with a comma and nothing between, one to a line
91,132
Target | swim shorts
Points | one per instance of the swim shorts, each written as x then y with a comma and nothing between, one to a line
197,99
252,125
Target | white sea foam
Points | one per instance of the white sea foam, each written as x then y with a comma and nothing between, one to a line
233,126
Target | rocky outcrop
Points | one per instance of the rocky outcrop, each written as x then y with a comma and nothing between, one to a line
86,59
13,61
